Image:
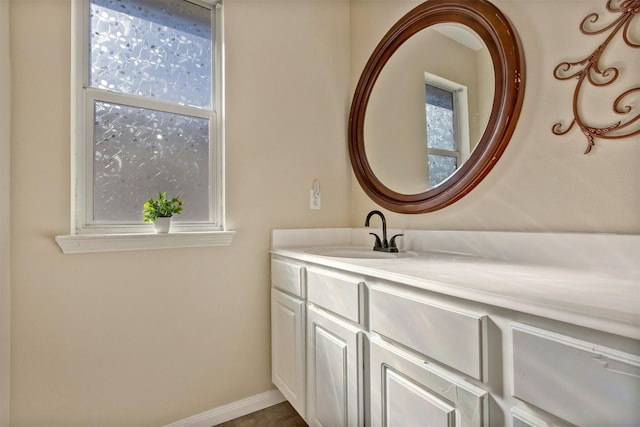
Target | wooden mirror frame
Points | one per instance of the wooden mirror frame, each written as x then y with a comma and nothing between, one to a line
507,57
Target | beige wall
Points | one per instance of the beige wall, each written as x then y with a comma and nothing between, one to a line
150,337
543,182
5,193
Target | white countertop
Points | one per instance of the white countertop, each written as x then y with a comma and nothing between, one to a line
606,299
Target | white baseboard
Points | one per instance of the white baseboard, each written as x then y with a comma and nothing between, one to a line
232,410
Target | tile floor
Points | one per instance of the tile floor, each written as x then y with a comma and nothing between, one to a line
280,415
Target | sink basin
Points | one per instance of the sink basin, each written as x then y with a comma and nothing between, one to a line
357,252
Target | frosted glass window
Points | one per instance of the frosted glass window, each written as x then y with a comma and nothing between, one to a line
148,113
159,49
442,144
140,152
440,118
440,168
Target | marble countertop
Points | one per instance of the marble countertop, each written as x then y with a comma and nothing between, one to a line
602,299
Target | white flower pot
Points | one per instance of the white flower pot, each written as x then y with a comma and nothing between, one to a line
162,224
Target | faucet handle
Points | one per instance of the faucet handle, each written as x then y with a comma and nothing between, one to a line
378,243
392,242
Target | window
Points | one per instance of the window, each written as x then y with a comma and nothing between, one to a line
447,127
147,113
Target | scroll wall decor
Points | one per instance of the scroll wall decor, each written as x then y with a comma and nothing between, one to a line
589,70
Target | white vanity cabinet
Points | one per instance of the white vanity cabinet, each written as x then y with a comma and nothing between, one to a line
358,343
317,342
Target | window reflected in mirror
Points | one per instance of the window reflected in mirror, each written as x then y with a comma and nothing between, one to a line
447,127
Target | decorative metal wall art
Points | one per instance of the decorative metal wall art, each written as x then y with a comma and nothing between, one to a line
589,70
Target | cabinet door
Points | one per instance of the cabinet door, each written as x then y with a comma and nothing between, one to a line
288,348
408,391
521,418
582,382
334,351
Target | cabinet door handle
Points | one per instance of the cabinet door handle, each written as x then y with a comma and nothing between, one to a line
618,367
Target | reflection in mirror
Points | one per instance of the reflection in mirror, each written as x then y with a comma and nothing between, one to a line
429,108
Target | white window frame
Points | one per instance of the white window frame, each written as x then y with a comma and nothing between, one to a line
89,236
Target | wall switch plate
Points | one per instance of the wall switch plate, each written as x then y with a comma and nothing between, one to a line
314,199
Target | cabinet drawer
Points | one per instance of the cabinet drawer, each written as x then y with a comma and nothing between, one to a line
445,333
578,381
338,293
287,276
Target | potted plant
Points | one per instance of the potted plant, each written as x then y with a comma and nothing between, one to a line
159,211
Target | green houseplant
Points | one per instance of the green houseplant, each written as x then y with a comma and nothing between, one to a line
159,211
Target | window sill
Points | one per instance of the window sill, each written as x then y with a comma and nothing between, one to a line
92,243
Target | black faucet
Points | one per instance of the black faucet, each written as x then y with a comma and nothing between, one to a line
382,245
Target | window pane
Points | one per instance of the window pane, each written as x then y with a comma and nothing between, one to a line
159,49
440,120
440,168
139,153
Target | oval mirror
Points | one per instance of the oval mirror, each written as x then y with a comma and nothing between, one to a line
436,105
